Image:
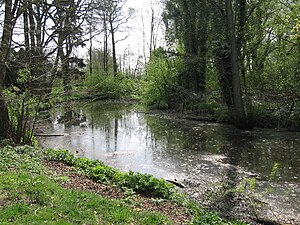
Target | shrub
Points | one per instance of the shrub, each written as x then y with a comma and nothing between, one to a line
160,87
22,108
107,86
104,174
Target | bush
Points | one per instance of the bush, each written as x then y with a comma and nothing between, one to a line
160,87
22,108
264,116
107,86
86,165
105,174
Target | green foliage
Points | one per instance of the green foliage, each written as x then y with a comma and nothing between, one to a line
141,183
105,174
57,92
147,184
20,158
61,155
160,87
23,76
22,108
203,217
107,86
96,170
31,195
274,172
86,165
245,185
268,46
264,116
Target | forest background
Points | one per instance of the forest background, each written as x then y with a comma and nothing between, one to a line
233,61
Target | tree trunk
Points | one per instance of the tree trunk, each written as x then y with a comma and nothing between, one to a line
66,75
5,129
202,47
26,31
32,28
239,114
113,43
105,46
91,51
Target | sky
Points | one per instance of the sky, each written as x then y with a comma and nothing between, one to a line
136,41
142,18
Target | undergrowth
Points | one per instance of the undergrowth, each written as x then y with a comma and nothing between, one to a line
96,170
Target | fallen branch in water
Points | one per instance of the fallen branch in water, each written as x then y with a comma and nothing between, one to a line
175,182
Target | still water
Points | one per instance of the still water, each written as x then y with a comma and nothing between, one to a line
200,155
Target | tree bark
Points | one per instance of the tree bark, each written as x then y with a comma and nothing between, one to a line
105,45
239,113
91,51
26,31
5,128
113,43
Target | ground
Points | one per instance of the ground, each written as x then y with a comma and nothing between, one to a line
177,214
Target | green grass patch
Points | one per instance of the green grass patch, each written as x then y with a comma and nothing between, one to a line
31,194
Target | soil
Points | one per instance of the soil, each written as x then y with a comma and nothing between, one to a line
177,214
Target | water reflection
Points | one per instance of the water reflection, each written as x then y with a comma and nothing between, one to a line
203,153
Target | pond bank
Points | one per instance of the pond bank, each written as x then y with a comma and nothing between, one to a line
31,193
206,157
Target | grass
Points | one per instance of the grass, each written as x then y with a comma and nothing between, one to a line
35,200
31,194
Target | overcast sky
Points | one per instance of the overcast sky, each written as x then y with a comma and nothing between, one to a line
143,10
134,41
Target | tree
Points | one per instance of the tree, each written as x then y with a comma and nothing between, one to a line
99,64
68,19
150,37
189,25
239,113
12,10
114,19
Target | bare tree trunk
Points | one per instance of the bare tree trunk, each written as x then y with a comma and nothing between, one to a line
105,47
31,28
151,30
39,30
91,51
113,43
26,31
239,114
5,128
